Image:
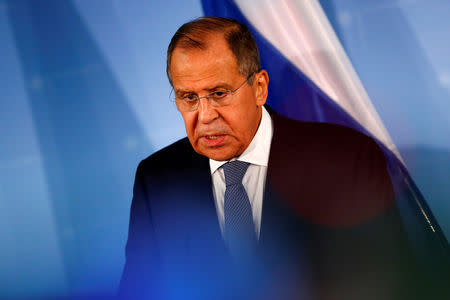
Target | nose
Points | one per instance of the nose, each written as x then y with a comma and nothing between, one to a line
206,113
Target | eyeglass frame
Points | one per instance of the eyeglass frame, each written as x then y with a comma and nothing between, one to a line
214,104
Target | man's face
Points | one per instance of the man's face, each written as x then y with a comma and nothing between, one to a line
220,133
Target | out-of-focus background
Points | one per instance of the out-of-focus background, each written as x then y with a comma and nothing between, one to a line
84,97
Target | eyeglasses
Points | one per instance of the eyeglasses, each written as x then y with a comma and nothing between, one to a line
217,98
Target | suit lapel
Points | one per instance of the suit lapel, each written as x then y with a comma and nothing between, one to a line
203,211
277,219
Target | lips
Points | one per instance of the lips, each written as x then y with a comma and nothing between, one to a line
213,140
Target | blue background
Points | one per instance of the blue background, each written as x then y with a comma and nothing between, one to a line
84,97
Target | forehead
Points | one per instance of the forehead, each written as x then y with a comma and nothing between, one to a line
191,67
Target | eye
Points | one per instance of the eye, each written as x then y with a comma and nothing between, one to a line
219,94
190,98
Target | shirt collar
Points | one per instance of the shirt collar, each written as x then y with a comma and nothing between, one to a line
257,153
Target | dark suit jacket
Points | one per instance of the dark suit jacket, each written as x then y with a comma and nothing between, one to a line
330,228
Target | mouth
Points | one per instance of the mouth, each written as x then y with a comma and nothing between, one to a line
214,140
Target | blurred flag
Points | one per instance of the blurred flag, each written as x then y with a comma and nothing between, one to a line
312,79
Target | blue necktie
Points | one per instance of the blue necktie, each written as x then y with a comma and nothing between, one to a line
239,228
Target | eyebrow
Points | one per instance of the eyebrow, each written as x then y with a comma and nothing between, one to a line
218,85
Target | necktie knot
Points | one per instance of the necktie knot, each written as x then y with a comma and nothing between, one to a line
235,171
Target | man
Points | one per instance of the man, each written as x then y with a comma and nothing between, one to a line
253,205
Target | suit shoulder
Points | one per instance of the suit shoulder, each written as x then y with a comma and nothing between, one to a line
168,155
178,155
323,144
321,134
177,148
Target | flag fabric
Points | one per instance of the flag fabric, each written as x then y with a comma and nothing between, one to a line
312,79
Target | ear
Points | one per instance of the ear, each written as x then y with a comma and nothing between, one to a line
260,87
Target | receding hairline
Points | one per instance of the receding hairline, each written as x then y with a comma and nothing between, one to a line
209,48
201,40
199,33
201,43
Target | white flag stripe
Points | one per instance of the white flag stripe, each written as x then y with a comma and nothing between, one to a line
300,30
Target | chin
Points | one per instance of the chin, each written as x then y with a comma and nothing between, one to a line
217,154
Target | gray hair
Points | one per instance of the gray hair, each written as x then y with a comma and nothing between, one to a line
194,35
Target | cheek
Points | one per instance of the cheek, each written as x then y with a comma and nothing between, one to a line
243,126
248,124
189,124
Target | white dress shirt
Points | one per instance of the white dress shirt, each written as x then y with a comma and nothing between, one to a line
257,154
